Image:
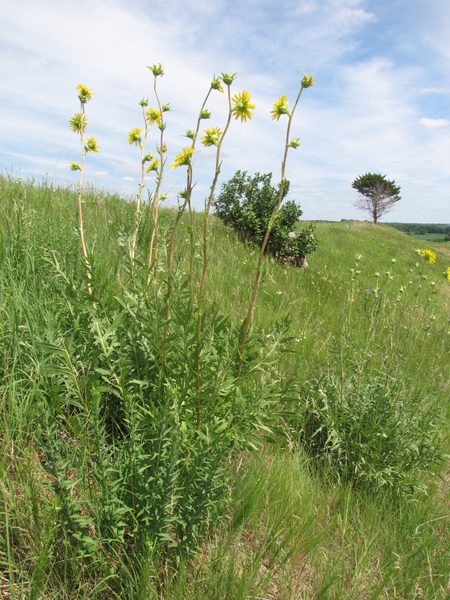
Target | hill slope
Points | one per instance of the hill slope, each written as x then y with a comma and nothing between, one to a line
293,529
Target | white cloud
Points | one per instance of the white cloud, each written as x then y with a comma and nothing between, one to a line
362,114
434,123
306,8
435,90
101,173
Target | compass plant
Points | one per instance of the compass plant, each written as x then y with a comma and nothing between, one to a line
78,124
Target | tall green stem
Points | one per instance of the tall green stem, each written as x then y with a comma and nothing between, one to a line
187,203
205,250
137,212
153,252
248,319
80,208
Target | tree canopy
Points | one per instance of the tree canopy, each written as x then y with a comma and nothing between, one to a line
377,195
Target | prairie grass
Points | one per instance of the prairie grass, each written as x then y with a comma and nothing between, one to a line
283,526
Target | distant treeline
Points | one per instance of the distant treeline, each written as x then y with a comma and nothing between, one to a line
423,228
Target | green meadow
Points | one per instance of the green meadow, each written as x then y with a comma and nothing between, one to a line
138,462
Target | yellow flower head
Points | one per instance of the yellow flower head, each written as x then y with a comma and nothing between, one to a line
91,145
280,107
212,136
428,255
307,81
153,115
153,166
447,274
183,158
242,107
84,93
74,166
134,136
157,70
78,123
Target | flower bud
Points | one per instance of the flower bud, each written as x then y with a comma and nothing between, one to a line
228,78
216,85
205,114
157,70
307,81
295,143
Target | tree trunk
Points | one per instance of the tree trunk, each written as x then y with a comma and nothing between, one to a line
304,262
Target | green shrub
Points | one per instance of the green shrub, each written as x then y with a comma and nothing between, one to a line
369,428
246,203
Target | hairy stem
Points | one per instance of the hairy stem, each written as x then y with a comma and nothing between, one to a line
205,251
186,204
137,212
80,209
248,319
153,252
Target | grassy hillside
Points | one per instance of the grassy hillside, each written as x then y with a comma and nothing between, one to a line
289,520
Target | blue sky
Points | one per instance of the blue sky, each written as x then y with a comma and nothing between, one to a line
381,100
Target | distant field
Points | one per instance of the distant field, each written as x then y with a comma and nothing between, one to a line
430,237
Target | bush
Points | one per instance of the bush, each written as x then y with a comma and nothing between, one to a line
246,203
369,429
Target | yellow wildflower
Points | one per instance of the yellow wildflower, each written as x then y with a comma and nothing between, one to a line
212,136
134,136
428,255
91,145
153,115
280,107
183,158
242,107
78,123
84,93
153,166
74,166
447,274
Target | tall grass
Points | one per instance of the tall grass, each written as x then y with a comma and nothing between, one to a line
111,487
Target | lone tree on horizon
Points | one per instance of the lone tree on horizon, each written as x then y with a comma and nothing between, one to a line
377,194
